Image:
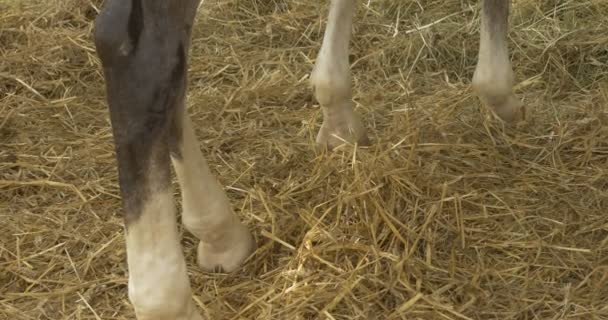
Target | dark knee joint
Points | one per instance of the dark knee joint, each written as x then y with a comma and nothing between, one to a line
118,28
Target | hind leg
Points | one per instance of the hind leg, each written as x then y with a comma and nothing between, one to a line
331,81
224,241
493,79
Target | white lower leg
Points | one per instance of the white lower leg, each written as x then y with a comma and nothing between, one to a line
225,241
158,283
331,80
493,79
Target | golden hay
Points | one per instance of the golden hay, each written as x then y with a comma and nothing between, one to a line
449,215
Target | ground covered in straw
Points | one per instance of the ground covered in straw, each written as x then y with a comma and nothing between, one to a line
449,215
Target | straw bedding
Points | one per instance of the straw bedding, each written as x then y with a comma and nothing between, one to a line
449,215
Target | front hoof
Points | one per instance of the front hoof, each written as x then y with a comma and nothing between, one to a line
511,110
227,257
349,132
